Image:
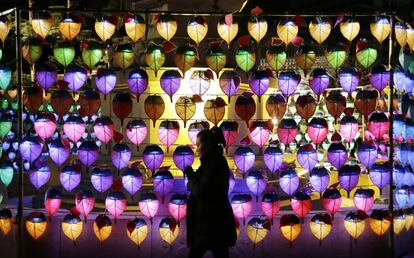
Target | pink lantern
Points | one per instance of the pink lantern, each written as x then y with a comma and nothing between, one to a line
183,156
195,128
378,124
301,204
149,205
39,174
104,129
53,199
270,205
168,132
153,157
242,206
74,128
121,155
317,130
364,199
273,158
230,131
84,202
163,182
132,180
256,182
348,126
45,125
331,201
59,151
115,203
287,130
136,131
70,176
178,206
259,132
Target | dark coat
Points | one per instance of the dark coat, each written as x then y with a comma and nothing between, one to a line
210,219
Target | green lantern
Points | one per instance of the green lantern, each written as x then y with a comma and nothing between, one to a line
276,57
6,172
366,53
245,58
32,50
92,53
336,55
215,58
4,104
155,57
64,53
185,57
6,123
5,76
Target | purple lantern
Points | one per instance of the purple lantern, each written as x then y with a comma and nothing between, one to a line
183,156
229,83
163,182
367,154
244,158
398,127
101,178
30,148
289,181
319,81
273,158
76,77
132,180
319,179
232,182
403,80
259,82
348,177
70,176
59,151
256,182
39,175
402,153
170,82
153,157
136,131
307,157
380,175
88,153
379,77
337,154
348,128
46,77
288,82
408,176
348,79
411,156
137,81
105,80
397,174
121,155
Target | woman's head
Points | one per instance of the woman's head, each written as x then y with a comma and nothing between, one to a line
208,139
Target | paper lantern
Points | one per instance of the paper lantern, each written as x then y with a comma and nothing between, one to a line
155,57
170,82
74,128
320,28
287,130
229,83
321,226
88,153
102,227
137,81
168,132
349,28
33,98
197,127
135,26
366,53
166,27
276,106
379,77
336,55
137,230
105,80
70,176
380,175
245,58
336,103
259,132
76,77
378,124
64,53
101,178
242,206
232,182
403,80
399,221
402,152
307,157
317,130
6,172
380,28
90,102
319,179
245,107
84,201
367,154
132,180
183,156
364,199
401,197
5,27
6,123
409,216
124,56
197,29
216,60
72,227
301,204
122,105
276,57
154,107
319,81
289,181
259,82
287,30
61,102
115,203
257,27
46,77
32,49
270,204
105,27
227,28
163,182
273,158
6,221
354,224
168,230
230,132
104,129
120,155
290,227
244,158
348,177
331,201
257,229
305,106
5,76
185,108
41,23
337,154
39,174
153,157
199,82
148,205
70,27
178,206
45,125
256,181
379,222
136,131
53,199
92,53
348,79
399,133
288,82
348,128
305,58
36,224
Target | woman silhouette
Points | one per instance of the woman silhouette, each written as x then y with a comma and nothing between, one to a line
210,219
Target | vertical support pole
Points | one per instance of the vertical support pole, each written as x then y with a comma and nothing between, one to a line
391,140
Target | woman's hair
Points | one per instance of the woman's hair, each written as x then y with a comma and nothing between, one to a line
213,136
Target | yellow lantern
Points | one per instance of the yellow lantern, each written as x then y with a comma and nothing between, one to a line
168,230
290,227
320,28
41,23
5,26
409,218
399,221
102,227
380,28
137,230
105,27
321,226
12,91
69,27
354,224
257,27
379,222
124,56
36,224
6,221
135,27
410,37
287,30
400,34
349,28
227,28
197,29
166,27
72,226
257,229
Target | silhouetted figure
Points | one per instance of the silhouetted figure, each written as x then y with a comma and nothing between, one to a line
210,219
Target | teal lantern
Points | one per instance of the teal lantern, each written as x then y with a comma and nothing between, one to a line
6,172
